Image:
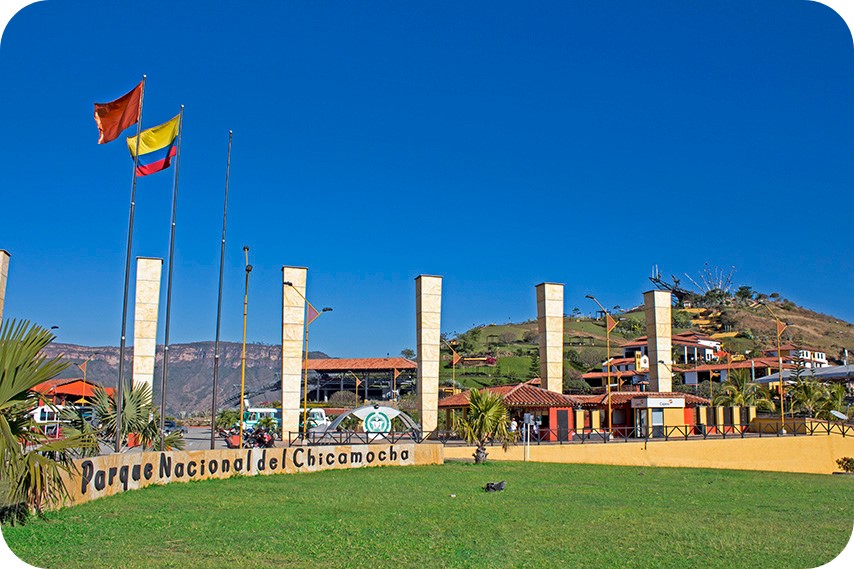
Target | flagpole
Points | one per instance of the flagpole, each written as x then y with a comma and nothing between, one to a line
169,278
120,387
305,389
219,297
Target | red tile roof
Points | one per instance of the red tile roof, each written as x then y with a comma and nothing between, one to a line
624,398
519,395
361,364
617,374
745,364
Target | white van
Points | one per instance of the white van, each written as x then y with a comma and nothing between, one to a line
252,415
47,419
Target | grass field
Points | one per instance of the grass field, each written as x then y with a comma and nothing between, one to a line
551,515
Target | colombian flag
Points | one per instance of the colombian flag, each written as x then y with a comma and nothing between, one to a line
156,147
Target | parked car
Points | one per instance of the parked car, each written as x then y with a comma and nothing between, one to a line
170,426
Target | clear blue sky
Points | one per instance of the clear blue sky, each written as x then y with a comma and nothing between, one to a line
499,144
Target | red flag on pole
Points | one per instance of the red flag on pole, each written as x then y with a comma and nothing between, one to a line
114,117
610,322
457,358
396,374
781,328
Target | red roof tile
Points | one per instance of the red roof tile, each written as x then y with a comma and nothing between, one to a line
620,398
519,395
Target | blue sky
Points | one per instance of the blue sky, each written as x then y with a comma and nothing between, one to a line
499,144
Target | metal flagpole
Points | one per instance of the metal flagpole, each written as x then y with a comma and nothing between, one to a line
120,387
243,349
219,297
169,278
305,387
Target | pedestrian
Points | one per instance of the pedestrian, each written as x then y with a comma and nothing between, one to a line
513,425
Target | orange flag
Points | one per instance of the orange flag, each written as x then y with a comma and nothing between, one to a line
457,358
610,322
781,327
396,373
114,117
312,314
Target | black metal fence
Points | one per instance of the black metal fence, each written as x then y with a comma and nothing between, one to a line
757,429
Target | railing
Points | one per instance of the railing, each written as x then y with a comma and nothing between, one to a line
561,436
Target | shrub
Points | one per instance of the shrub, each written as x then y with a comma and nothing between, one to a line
846,464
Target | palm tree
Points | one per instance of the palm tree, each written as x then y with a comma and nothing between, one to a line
737,390
31,464
808,396
486,420
832,401
139,418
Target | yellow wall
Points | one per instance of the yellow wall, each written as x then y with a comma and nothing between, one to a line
814,454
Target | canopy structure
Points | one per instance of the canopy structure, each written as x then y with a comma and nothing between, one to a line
832,373
369,378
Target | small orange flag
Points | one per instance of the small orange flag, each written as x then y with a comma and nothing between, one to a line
457,358
396,374
610,323
781,327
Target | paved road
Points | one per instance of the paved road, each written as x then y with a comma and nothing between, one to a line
199,438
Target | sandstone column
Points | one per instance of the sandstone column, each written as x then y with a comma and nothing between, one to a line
145,307
550,329
4,273
293,334
658,331
428,312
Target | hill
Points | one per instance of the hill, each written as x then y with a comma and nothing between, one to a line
742,327
190,370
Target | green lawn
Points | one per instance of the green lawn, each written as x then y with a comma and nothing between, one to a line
549,516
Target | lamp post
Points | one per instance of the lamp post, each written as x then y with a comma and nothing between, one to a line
781,327
610,323
308,321
243,350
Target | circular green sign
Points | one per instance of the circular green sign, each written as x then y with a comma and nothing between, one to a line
377,422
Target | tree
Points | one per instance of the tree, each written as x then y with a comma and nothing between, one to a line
739,391
534,370
227,418
834,400
407,353
31,464
345,398
808,396
743,294
485,421
139,418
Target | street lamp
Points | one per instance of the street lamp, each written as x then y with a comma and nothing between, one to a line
311,316
610,324
243,351
781,327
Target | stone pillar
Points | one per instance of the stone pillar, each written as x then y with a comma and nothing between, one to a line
293,335
4,273
658,331
428,313
145,308
550,329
